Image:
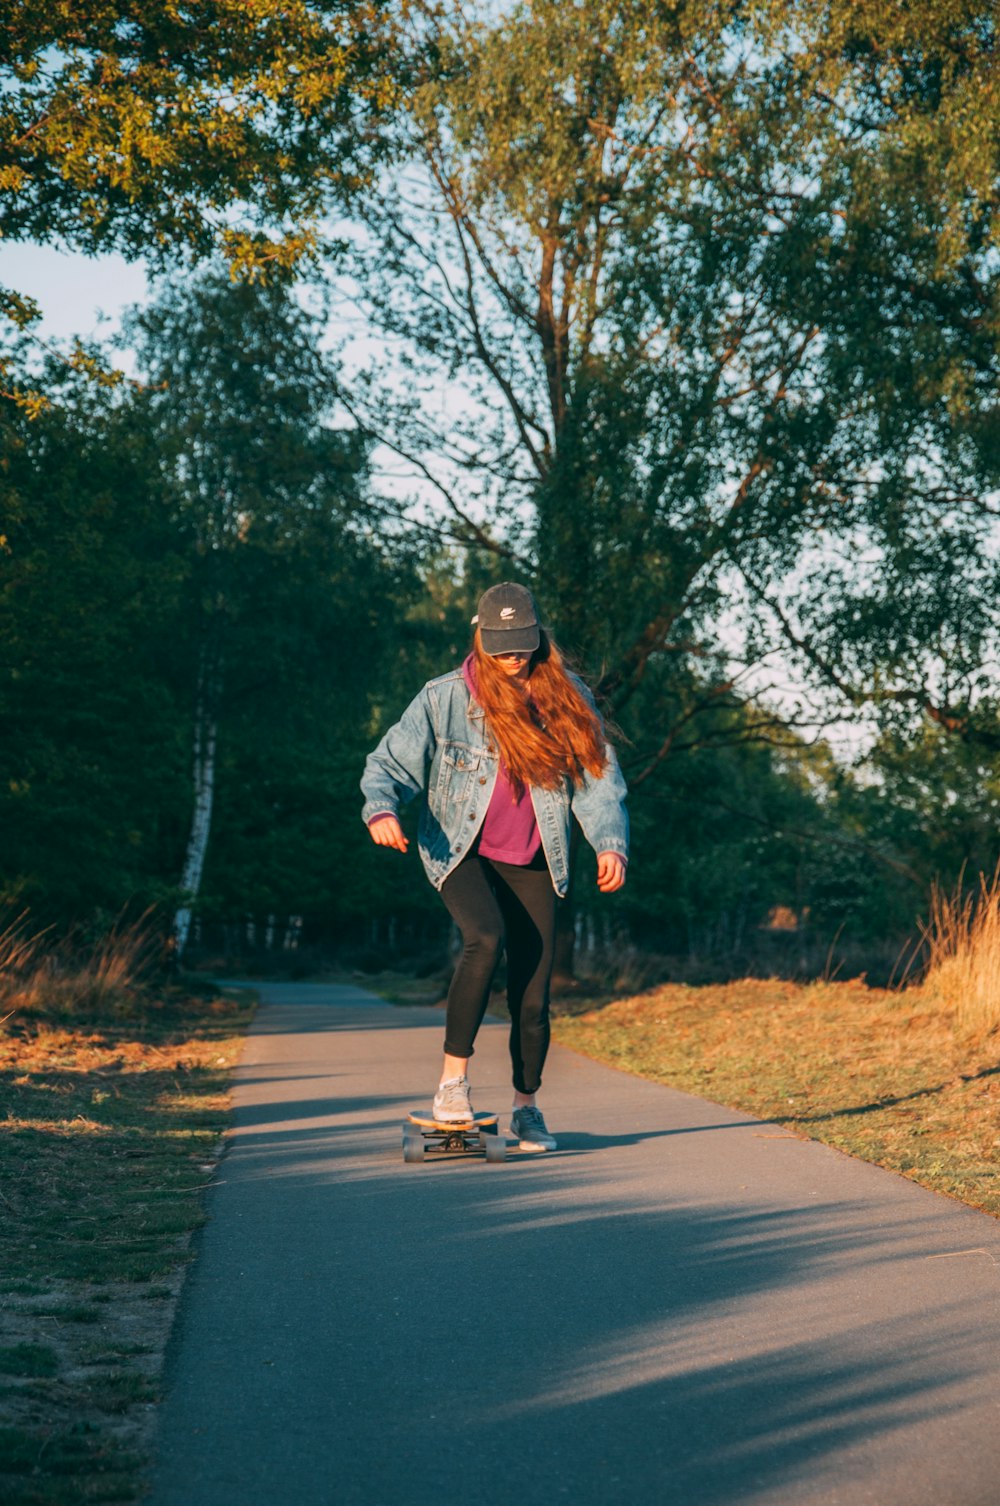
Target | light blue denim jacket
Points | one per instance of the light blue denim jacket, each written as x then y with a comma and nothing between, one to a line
439,747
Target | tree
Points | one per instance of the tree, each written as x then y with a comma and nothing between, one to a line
214,521
918,82
700,359
92,769
142,128
174,132
289,607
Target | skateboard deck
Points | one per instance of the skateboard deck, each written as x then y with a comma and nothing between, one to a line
427,1121
427,1138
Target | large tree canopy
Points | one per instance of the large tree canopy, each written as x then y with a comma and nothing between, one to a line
710,348
155,127
920,83
190,586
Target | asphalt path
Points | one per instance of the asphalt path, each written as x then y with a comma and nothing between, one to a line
682,1305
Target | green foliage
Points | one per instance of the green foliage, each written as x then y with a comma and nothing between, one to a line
933,801
93,761
704,364
291,596
918,84
164,127
215,509
711,293
172,132
687,314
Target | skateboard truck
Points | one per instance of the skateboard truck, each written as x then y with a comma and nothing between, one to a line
429,1139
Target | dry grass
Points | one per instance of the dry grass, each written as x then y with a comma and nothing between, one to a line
882,1075
962,938
39,978
20,962
114,1095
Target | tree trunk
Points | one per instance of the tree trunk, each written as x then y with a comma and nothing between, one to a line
203,768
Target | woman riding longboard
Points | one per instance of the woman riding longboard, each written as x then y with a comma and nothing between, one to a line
504,752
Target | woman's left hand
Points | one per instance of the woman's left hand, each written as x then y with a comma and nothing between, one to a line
610,871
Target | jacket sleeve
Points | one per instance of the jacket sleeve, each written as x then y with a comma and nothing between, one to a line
397,769
598,803
599,806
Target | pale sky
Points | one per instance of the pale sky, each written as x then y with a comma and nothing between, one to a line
73,290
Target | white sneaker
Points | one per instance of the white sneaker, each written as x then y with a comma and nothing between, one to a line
452,1104
528,1127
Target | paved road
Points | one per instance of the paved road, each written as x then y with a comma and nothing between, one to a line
682,1306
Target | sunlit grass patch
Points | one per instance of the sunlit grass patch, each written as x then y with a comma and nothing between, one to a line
105,979
880,1074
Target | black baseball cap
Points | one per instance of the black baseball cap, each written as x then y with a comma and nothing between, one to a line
508,620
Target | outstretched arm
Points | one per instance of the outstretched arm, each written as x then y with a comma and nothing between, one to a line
397,770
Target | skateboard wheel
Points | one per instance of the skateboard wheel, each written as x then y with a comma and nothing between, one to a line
495,1148
413,1149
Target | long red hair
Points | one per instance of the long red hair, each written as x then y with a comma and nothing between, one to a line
547,734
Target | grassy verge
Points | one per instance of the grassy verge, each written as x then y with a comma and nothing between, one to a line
112,1127
884,1076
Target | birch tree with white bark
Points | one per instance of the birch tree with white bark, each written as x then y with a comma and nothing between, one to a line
205,737
242,398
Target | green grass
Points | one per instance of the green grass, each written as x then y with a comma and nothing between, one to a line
69,1312
72,1465
28,1359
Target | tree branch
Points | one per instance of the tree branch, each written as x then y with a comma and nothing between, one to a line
476,533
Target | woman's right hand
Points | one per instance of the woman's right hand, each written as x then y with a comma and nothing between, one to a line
387,832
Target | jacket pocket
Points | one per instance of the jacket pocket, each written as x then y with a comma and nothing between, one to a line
461,757
458,767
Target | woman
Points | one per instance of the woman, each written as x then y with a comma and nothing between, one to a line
505,749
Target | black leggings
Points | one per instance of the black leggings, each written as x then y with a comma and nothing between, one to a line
494,904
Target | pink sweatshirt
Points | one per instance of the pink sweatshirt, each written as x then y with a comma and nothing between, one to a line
510,832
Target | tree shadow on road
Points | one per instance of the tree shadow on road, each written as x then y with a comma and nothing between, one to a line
553,1335
572,1328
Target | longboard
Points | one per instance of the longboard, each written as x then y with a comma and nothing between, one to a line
427,1138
